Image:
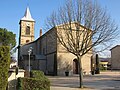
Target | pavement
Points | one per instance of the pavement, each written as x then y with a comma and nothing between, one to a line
107,80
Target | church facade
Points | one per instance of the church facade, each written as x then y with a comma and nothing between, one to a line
48,55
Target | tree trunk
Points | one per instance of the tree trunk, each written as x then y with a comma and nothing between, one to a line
80,71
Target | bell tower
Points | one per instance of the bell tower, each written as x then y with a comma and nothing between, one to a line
26,28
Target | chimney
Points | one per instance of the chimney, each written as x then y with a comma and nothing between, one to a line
40,32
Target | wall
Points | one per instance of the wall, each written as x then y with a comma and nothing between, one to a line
23,36
13,77
115,57
23,61
69,37
42,65
68,57
48,48
24,49
50,63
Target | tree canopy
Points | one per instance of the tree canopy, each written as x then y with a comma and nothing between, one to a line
97,28
7,38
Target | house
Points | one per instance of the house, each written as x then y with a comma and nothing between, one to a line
105,63
13,62
115,57
46,53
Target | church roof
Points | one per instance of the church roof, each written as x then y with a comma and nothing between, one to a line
27,16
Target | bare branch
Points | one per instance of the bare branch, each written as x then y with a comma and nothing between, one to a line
81,26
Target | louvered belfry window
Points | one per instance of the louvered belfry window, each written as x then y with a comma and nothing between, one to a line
28,30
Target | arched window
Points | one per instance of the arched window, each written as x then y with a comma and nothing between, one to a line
28,30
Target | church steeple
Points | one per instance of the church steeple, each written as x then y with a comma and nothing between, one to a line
27,15
26,28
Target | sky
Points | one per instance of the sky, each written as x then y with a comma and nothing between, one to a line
11,11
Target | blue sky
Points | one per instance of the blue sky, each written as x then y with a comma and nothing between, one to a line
11,11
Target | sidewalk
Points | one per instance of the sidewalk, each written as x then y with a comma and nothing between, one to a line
105,81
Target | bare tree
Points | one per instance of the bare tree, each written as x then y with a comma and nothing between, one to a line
84,25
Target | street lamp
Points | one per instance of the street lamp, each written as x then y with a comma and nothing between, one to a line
29,52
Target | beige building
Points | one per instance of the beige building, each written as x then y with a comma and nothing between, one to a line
48,54
115,57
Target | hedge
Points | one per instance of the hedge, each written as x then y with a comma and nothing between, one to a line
37,74
37,82
4,66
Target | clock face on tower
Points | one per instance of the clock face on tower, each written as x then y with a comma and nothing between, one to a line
27,24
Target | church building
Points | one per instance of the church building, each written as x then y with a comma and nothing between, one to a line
47,54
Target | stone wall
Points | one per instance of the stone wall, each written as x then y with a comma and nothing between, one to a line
12,79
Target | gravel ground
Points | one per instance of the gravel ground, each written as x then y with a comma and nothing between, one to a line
107,80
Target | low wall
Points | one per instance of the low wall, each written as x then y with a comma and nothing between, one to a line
12,78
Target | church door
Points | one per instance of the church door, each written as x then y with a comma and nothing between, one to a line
55,65
75,66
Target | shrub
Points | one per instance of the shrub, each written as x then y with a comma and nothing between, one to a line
4,66
33,84
37,82
37,74
19,85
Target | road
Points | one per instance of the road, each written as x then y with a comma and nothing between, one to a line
108,80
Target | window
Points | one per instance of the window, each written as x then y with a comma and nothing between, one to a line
27,30
27,41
